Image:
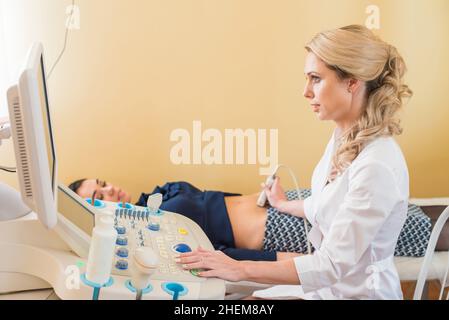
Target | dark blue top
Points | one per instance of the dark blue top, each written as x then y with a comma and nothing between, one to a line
208,210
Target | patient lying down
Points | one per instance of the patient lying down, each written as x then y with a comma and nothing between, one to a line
233,222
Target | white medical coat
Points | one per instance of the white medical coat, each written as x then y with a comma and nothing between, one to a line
356,220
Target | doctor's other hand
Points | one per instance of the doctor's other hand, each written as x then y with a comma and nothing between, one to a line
275,195
212,264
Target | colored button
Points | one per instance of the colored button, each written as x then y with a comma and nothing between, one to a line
97,203
183,231
122,252
120,229
153,226
196,272
126,206
174,289
121,264
181,248
122,241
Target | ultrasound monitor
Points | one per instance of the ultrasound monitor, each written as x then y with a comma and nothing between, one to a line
32,134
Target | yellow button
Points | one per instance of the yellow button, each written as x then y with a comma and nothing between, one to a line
183,231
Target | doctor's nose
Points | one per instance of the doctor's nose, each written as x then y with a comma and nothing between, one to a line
308,93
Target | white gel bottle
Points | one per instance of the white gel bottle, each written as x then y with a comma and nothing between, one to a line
101,251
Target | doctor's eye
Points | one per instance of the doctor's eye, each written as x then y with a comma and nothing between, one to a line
315,79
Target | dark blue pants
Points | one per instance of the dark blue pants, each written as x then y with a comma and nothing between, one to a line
208,210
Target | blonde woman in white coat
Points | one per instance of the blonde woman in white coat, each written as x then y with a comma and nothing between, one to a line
360,187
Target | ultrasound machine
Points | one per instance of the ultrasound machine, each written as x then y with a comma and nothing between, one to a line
50,245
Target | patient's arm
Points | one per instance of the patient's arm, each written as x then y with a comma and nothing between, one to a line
286,255
256,255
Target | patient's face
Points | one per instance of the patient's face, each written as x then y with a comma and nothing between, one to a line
328,94
105,191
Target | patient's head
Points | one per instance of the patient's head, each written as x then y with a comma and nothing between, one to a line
105,191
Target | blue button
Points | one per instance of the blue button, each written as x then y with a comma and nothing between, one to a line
121,264
122,241
181,248
97,203
154,226
174,289
126,206
132,289
120,229
122,252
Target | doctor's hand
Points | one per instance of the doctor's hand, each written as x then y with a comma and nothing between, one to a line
213,264
275,195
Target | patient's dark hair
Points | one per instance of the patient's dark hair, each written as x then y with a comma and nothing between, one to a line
74,186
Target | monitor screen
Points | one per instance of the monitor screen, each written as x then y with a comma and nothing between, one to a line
75,209
45,109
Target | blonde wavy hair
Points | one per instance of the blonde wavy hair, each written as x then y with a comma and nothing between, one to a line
355,52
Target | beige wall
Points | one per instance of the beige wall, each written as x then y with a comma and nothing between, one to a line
136,70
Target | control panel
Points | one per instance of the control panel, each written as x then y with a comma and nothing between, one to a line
168,234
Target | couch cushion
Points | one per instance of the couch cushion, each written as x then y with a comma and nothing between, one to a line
415,234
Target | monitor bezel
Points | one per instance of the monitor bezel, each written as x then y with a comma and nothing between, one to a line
43,199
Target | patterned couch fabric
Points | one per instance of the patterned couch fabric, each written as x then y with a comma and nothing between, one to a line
286,233
415,234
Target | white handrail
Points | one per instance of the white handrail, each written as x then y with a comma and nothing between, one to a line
429,255
443,284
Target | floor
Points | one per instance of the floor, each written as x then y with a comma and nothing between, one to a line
408,288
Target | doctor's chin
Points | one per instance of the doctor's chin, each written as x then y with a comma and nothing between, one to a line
224,150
